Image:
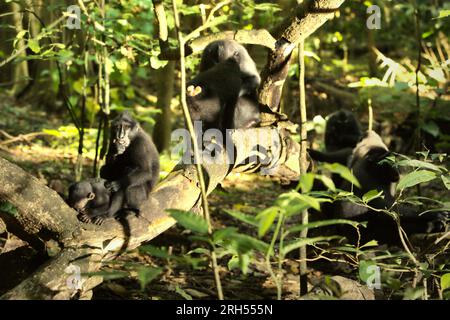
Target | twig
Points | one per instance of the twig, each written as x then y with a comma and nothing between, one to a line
21,137
369,106
303,164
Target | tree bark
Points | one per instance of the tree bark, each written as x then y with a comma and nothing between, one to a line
20,73
163,126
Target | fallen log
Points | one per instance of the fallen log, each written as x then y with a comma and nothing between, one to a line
43,216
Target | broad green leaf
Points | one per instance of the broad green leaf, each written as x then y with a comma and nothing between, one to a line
443,14
445,281
244,262
190,220
432,128
250,219
312,55
343,171
266,219
233,263
243,243
21,34
421,165
122,64
327,182
294,202
324,223
306,182
33,44
371,195
413,293
366,269
371,243
223,234
155,63
415,178
446,181
98,26
146,274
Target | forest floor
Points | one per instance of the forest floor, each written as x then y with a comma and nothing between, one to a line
51,158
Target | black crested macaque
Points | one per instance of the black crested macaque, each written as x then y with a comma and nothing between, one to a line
92,200
246,112
132,163
221,50
374,171
342,133
213,95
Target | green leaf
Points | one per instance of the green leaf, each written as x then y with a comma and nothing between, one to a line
122,64
415,178
243,217
33,44
8,208
343,171
443,14
222,234
155,63
371,195
21,34
413,293
306,182
421,165
312,55
244,262
233,263
432,128
371,243
146,274
266,219
303,242
365,269
294,203
327,182
183,293
189,220
446,181
243,243
445,281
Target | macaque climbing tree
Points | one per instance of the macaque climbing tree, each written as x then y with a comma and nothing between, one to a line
44,220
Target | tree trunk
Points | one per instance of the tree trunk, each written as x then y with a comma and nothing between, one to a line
20,72
163,126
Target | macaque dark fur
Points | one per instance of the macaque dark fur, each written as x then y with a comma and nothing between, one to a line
132,162
92,200
229,77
